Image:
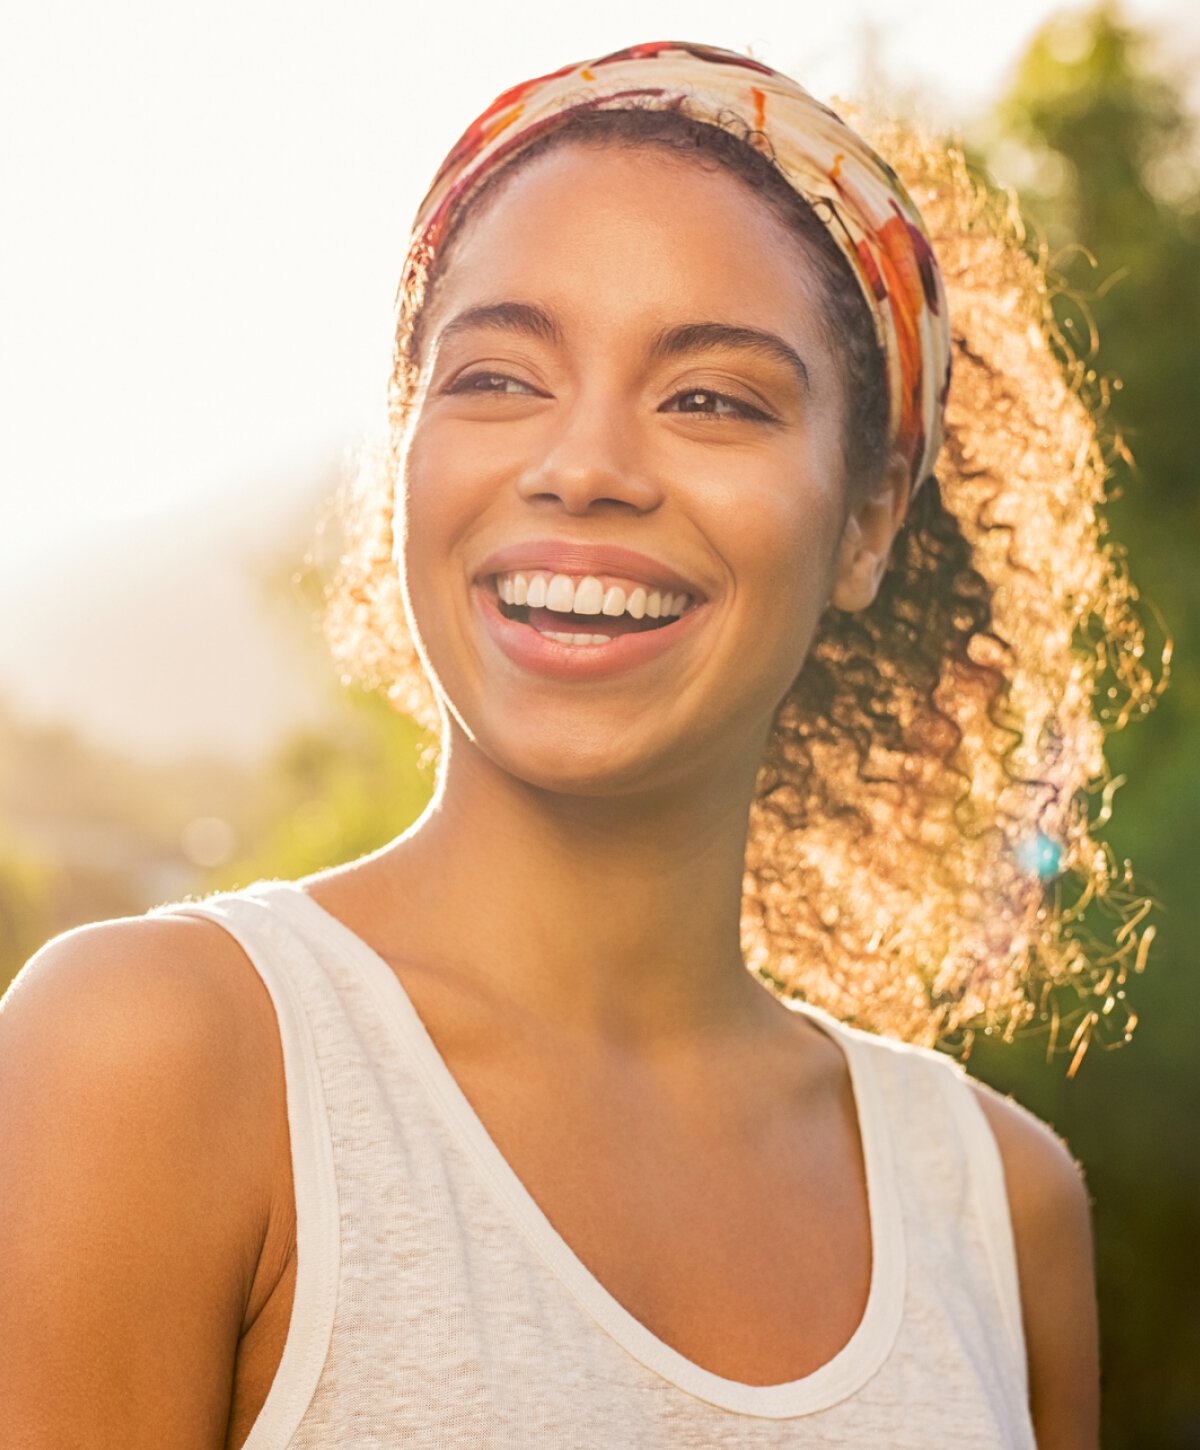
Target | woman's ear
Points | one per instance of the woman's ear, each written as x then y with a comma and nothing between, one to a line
867,537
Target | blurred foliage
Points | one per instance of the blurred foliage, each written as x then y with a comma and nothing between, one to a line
334,799
86,833
1122,228
1096,133
27,890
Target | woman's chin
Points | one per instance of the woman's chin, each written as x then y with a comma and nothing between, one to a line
592,769
568,760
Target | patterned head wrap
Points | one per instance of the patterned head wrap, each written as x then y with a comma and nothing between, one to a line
852,189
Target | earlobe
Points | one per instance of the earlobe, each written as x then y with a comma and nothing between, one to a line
858,574
867,538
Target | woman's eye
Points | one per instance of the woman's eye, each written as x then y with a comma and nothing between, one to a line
488,383
708,403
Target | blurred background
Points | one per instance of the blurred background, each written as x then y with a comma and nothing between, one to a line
207,208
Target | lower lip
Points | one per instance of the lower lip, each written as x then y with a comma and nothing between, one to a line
532,650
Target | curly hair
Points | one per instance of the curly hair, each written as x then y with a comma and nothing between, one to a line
921,851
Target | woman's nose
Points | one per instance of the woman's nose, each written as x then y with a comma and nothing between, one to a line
590,462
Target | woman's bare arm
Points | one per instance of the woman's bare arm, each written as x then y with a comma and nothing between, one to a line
1052,1227
137,1137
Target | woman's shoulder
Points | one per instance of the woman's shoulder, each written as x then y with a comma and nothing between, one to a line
140,1047
1050,1214
1042,1174
133,989
147,1035
1044,1182
142,1135
1050,1210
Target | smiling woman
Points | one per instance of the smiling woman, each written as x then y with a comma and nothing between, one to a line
490,1137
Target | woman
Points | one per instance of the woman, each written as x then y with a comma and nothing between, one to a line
489,1138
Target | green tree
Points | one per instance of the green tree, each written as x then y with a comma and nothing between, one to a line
1122,224
1106,163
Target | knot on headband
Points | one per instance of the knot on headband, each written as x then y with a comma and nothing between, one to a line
852,190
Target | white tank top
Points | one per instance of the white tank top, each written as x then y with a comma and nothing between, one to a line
435,1304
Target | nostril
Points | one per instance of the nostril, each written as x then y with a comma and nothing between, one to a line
595,484
592,503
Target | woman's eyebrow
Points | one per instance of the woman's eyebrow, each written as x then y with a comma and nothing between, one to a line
525,318
520,317
697,336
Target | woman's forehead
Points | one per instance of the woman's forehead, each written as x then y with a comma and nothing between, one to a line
629,229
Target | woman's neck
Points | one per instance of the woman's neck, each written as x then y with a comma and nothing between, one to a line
614,917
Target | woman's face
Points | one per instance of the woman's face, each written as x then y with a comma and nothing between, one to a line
625,407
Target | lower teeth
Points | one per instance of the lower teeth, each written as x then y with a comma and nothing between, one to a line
520,614
588,639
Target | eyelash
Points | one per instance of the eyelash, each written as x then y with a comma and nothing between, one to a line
463,384
742,409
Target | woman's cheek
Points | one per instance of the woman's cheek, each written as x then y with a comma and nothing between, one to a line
430,505
785,526
788,560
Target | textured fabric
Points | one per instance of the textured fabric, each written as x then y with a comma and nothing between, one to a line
436,1306
854,191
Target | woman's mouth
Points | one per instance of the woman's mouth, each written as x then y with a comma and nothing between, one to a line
586,610
583,626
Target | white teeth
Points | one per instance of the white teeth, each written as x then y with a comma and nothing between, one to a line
564,595
587,639
589,596
614,601
560,595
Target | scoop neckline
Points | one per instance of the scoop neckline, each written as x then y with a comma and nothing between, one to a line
836,1380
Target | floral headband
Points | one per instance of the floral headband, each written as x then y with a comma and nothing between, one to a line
857,195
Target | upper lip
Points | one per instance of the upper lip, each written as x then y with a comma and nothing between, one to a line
560,556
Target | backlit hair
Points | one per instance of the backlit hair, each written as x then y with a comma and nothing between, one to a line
922,849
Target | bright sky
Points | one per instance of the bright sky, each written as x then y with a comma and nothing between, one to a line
207,206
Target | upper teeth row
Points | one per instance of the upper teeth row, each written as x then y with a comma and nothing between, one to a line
588,596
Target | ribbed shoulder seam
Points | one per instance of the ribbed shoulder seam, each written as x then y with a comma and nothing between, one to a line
279,957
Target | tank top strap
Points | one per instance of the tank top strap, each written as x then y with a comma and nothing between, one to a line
304,1004
952,1169
990,1192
